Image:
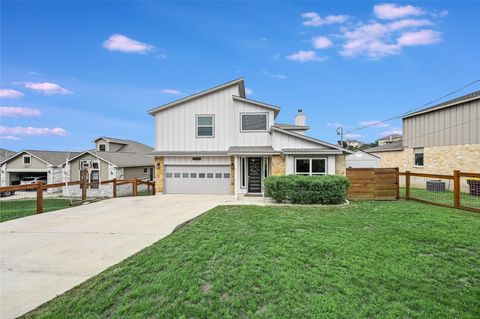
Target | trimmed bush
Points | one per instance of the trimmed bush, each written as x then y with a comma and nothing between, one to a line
299,189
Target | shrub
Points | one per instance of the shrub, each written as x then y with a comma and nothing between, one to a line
298,189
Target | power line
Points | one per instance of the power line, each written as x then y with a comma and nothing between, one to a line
414,109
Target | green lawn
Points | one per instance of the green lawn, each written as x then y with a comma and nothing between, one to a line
11,209
367,260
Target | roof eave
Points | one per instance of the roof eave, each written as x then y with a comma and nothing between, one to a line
440,107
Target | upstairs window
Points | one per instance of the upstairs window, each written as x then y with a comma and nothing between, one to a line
27,159
102,147
204,125
251,122
310,166
418,153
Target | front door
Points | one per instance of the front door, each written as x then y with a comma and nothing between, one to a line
254,175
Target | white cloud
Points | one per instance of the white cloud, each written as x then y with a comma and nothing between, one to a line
322,42
161,56
353,135
423,37
390,11
393,130
440,14
47,88
171,91
248,91
315,20
275,76
118,42
32,131
376,40
18,111
306,56
373,123
10,94
10,137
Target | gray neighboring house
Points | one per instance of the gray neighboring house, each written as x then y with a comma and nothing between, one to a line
111,158
33,163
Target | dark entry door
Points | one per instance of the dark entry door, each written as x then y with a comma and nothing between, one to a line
254,175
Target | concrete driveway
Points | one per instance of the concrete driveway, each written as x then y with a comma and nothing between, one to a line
45,255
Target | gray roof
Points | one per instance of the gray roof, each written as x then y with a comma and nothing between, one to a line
248,150
291,126
123,159
238,82
5,154
467,97
54,158
394,146
311,151
130,146
389,137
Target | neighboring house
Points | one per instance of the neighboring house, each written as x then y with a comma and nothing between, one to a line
111,158
34,163
353,143
220,142
389,139
4,154
438,139
361,159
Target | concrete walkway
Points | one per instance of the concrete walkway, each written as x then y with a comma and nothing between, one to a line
45,255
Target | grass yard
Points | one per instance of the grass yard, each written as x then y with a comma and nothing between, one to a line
16,208
367,260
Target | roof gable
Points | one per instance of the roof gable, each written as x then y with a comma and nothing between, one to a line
239,82
276,109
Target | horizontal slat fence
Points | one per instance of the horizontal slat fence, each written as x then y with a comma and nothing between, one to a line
373,183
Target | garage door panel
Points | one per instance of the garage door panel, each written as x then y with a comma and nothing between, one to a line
197,179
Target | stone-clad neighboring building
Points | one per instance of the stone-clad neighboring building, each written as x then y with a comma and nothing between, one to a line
438,139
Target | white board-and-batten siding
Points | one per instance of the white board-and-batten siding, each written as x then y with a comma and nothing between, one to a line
176,126
455,125
281,140
205,160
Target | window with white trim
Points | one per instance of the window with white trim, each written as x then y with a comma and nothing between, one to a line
102,147
253,122
27,160
419,156
310,166
205,126
145,170
265,167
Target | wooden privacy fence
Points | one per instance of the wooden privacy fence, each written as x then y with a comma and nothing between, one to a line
373,183
460,190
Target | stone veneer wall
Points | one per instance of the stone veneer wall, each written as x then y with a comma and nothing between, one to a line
437,160
159,174
340,165
278,165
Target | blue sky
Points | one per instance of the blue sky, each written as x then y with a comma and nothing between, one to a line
72,71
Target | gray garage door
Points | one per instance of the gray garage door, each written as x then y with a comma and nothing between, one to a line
197,179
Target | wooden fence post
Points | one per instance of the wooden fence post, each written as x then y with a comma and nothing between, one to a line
456,189
135,186
84,185
398,183
407,184
39,197
114,188
153,188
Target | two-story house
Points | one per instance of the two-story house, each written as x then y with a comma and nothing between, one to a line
220,142
437,139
